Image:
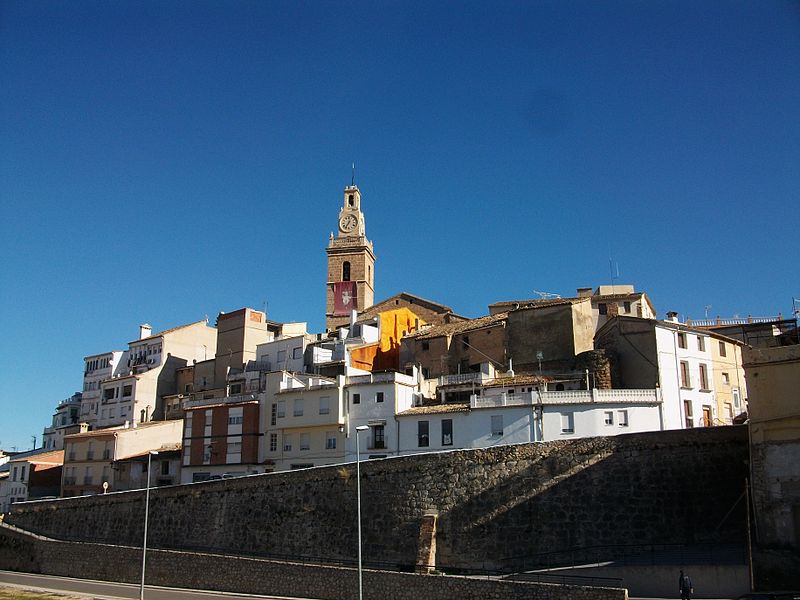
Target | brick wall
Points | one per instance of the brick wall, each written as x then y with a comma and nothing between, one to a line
496,506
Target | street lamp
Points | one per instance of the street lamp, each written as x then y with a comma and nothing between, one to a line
359,429
146,510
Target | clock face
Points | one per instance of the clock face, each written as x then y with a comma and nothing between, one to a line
348,223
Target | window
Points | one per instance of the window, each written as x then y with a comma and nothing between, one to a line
426,346
703,377
685,380
108,394
235,420
681,339
127,390
273,418
701,343
298,408
447,432
687,411
356,398
305,441
626,307
287,442
622,418
236,388
602,308
187,389
426,372
423,440
165,467
379,397
273,442
324,405
567,423
608,417
497,425
723,351
14,474
330,440
736,400
345,271
726,378
297,353
378,437
281,408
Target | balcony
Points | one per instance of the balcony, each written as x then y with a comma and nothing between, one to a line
258,365
90,455
69,481
238,399
568,397
461,378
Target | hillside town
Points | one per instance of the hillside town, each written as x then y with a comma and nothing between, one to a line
405,375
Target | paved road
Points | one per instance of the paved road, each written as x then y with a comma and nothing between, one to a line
104,590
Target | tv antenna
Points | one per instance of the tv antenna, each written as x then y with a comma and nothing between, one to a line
546,295
707,307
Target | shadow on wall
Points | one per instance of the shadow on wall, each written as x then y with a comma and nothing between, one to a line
497,507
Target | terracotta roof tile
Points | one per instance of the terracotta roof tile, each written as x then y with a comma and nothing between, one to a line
461,327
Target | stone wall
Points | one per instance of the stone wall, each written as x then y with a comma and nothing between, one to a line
24,552
498,507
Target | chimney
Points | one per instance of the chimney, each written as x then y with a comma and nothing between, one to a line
672,316
585,292
145,330
84,427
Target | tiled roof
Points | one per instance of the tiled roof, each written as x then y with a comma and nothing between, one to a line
56,457
521,379
436,409
536,303
461,327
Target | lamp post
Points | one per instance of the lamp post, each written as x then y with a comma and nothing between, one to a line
146,511
359,429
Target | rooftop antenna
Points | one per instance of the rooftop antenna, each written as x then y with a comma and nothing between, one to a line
707,307
546,295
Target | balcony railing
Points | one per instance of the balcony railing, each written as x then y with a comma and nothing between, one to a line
732,321
567,397
460,378
237,399
260,365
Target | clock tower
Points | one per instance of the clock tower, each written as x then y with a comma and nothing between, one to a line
351,264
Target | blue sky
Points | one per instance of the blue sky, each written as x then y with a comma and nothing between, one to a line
163,161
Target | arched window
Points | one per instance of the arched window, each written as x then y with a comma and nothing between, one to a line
345,271
350,200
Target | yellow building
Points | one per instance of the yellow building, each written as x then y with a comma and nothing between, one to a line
730,389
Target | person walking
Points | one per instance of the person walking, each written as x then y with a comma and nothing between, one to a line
685,586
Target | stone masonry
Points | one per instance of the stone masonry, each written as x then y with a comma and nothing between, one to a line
499,508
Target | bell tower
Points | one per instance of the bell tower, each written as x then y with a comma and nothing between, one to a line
351,264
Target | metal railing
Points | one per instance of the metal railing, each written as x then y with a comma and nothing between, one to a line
566,397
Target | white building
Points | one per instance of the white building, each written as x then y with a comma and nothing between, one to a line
97,368
513,414
152,361
374,400
65,421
